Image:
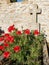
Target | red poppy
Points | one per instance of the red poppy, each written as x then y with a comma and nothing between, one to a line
6,37
6,54
17,48
18,32
11,28
1,47
6,34
9,39
36,32
6,44
1,38
27,31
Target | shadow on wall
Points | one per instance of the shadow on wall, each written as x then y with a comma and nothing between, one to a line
1,31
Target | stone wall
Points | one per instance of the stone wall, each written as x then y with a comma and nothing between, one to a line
43,18
19,14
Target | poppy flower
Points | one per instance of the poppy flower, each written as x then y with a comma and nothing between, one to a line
6,34
18,32
11,28
6,44
17,48
1,47
27,31
6,37
6,54
36,32
1,38
9,39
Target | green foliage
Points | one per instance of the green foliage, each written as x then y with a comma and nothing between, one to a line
31,49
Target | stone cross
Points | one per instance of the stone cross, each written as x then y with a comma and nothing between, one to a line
35,10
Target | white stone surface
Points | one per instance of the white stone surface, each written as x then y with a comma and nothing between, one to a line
7,12
19,15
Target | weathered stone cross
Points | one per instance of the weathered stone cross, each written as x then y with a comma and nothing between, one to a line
35,10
